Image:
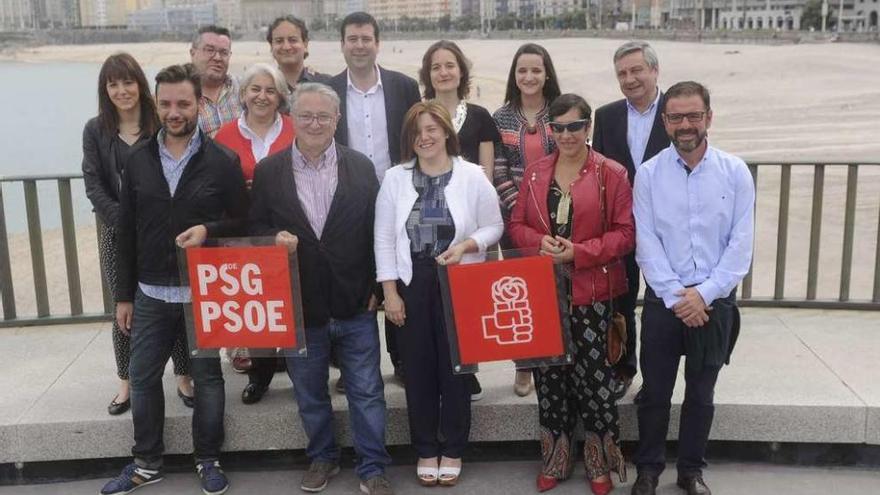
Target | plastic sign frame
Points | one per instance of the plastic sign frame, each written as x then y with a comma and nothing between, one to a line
246,294
515,309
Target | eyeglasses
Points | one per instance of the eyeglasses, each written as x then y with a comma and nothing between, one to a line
560,127
307,118
678,118
210,51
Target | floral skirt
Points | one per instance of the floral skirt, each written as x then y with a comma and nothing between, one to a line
581,390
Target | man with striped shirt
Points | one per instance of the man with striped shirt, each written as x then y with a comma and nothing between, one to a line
210,53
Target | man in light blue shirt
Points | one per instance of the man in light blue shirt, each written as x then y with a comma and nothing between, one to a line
694,212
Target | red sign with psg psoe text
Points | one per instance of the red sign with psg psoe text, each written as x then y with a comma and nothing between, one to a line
241,297
506,310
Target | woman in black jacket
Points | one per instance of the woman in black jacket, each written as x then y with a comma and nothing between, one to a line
126,116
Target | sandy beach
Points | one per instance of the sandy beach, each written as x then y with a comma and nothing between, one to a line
771,103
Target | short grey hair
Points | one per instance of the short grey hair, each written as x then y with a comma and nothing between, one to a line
317,88
277,78
638,46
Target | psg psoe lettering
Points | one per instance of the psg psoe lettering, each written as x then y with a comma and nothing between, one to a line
241,297
256,315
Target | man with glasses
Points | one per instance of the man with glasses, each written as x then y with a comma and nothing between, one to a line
373,102
318,198
630,132
210,53
694,207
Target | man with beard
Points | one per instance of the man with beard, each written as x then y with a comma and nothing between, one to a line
210,53
178,189
630,132
693,207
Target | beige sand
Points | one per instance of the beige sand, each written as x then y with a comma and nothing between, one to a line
794,102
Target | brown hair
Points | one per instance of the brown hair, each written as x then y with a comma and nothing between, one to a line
122,66
410,128
464,67
684,89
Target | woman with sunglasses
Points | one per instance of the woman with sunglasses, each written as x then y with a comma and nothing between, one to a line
575,206
126,117
522,121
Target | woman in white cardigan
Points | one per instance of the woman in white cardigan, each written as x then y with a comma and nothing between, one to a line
433,209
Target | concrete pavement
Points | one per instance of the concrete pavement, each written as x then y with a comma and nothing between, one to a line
512,478
796,376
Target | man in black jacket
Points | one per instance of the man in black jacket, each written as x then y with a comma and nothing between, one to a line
318,198
178,188
373,102
630,131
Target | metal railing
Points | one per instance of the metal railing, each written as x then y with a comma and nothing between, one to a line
38,264
778,297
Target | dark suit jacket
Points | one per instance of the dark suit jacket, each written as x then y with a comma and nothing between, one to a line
609,135
337,271
401,92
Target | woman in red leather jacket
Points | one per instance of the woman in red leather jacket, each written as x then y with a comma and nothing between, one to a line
562,200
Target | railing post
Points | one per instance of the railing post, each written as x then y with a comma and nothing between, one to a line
71,258
747,281
35,236
7,290
876,297
815,231
852,180
782,232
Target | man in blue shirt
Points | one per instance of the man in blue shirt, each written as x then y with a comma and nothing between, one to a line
179,188
694,212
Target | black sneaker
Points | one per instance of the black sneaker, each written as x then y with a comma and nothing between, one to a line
474,388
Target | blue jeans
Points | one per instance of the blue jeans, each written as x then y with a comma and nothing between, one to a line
154,328
356,344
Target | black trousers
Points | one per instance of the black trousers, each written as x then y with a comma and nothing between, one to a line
263,369
626,305
662,345
437,400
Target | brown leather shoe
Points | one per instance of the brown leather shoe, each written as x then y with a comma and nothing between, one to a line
646,484
693,485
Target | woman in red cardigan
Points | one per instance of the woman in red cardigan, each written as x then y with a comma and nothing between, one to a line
264,128
559,212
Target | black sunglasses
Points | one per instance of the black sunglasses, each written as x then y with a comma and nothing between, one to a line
560,127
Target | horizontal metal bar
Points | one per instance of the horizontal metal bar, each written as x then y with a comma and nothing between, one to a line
54,320
22,178
803,163
814,304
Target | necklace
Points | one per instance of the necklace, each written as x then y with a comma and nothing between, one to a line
460,116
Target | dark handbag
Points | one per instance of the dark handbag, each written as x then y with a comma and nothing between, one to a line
615,338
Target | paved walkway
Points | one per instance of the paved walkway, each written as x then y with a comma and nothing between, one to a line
512,478
796,376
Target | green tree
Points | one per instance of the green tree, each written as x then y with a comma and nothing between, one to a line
812,16
506,22
444,23
466,23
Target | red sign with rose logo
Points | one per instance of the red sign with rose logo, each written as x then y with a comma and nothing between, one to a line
506,310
